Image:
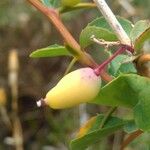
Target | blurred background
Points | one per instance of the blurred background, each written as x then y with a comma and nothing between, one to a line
24,29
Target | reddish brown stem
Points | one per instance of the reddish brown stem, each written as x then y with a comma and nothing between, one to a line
99,69
130,138
53,16
106,76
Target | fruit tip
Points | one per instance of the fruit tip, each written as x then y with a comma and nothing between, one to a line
40,103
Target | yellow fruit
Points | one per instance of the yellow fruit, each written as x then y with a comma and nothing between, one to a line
69,3
77,87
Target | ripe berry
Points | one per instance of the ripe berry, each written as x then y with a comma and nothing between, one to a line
77,87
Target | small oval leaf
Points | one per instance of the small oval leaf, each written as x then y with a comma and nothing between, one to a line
51,51
138,29
141,40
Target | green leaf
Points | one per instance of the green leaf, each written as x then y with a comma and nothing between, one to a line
141,40
101,22
98,32
139,28
95,133
129,91
51,51
130,126
123,91
118,66
116,63
126,68
101,29
142,110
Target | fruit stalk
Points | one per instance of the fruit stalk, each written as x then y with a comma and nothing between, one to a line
77,87
105,63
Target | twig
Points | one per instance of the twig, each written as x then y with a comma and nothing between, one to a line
13,63
113,22
53,16
130,138
106,76
105,43
106,117
106,62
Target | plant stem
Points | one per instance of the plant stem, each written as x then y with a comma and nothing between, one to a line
53,16
103,65
130,138
113,22
73,61
106,76
106,117
76,7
